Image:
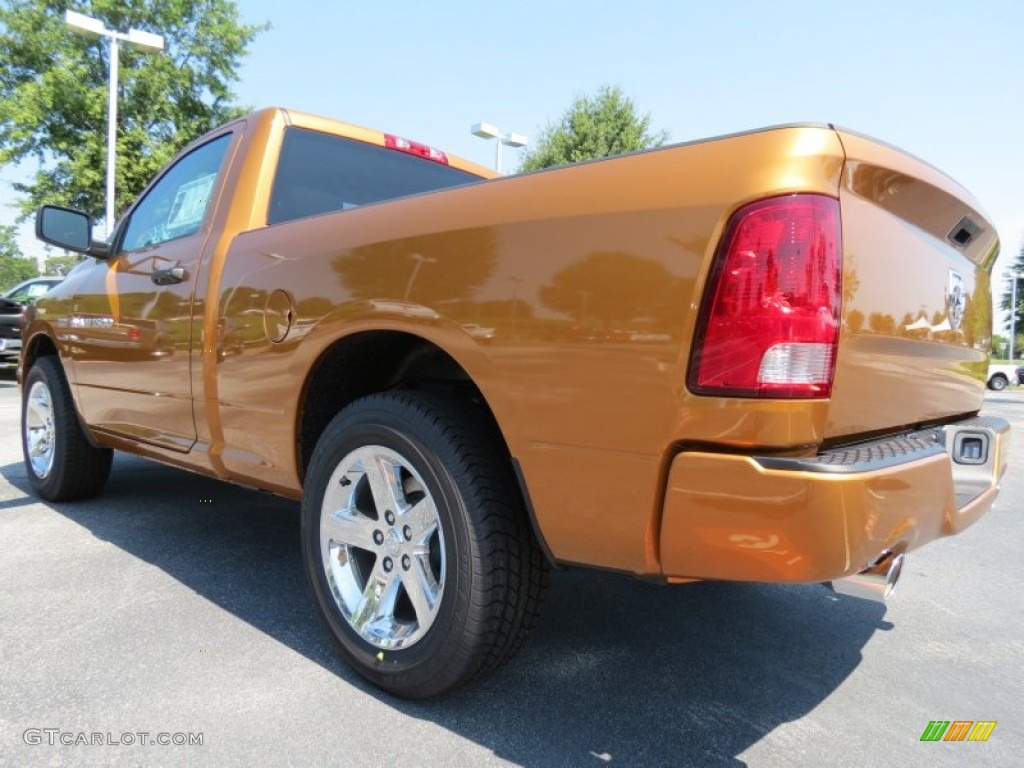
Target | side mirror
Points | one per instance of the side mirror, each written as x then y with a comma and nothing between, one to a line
68,229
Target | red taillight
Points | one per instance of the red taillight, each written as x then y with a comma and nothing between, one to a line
769,324
415,148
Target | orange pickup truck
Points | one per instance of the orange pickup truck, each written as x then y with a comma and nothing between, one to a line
757,358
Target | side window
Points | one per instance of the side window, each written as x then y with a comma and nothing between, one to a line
176,206
38,289
31,292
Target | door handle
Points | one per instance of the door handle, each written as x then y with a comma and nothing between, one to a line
169,276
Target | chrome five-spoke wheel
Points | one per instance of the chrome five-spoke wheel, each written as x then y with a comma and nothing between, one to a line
382,547
39,430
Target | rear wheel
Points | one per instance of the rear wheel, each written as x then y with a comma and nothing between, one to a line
62,464
416,544
998,382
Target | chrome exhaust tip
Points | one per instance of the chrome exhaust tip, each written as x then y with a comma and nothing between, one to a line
875,583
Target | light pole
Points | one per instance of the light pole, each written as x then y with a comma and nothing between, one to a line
488,131
147,41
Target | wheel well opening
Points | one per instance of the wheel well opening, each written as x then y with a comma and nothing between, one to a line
40,346
378,361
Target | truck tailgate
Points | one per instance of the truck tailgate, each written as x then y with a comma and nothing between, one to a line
916,300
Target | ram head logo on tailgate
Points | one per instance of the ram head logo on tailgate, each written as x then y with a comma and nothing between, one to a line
955,299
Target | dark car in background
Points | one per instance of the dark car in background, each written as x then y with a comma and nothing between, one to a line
12,314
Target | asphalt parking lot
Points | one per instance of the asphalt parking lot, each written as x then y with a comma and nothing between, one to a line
176,605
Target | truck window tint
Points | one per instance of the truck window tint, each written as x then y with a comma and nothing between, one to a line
319,173
177,205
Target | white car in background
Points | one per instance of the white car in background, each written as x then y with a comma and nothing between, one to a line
1002,375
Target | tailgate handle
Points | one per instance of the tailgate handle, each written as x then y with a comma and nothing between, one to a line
169,276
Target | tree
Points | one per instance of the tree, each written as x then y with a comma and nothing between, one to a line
61,265
1000,346
1016,270
53,93
593,289
421,270
594,126
13,266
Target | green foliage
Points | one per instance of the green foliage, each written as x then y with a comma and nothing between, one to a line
1017,268
53,94
13,267
609,287
421,270
61,265
1000,346
9,242
594,126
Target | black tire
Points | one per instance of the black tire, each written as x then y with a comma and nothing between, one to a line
493,576
68,467
998,382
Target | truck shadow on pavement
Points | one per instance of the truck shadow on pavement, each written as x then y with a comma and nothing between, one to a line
617,672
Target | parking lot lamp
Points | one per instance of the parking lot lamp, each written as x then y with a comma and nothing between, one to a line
488,131
87,25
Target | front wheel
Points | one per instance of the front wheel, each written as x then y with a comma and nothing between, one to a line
62,464
998,383
416,544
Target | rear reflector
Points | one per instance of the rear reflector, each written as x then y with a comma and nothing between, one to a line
415,148
769,324
795,364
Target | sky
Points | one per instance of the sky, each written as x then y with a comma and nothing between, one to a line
942,80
